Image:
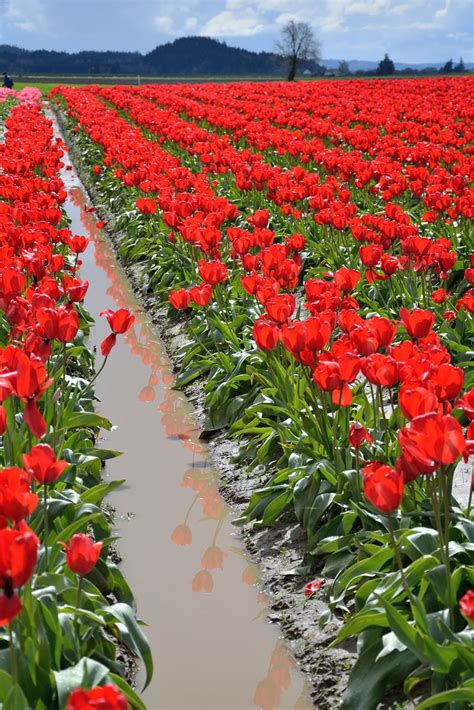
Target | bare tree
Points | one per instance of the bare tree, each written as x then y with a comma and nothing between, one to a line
297,45
343,68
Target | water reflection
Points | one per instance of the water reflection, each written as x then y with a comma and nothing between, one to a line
206,558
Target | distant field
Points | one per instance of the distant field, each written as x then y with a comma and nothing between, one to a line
45,82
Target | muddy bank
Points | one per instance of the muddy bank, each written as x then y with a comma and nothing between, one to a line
276,550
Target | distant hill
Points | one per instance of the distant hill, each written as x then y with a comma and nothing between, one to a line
199,56
187,56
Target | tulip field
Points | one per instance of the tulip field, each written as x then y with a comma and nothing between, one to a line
314,242
65,608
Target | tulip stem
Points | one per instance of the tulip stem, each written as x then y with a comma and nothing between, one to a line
443,479
358,475
14,667
385,425
444,545
374,406
91,382
398,558
79,592
45,526
76,622
469,500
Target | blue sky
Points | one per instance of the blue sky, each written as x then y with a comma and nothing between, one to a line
409,30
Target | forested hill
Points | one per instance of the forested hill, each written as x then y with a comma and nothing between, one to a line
187,56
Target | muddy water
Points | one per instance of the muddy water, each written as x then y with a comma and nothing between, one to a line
193,583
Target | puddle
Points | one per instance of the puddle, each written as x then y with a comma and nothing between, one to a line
185,563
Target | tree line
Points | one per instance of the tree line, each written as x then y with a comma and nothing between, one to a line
297,53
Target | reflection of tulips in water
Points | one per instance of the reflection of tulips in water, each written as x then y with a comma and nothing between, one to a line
270,689
213,558
182,535
178,422
203,581
251,574
147,394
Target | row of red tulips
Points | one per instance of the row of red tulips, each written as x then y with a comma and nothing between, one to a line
362,410
61,600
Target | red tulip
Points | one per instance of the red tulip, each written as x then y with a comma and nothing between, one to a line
365,339
67,325
447,381
414,401
266,334
439,296
466,403
31,381
383,486
16,500
120,322
146,205
280,307
10,607
385,329
78,244
389,264
82,553
433,439
74,288
466,605
41,463
105,697
380,370
358,434
18,553
259,219
411,468
319,330
333,376
212,272
180,299
418,323
201,295
370,255
293,336
313,587
346,279
107,344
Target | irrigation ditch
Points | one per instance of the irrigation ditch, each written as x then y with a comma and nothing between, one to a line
278,551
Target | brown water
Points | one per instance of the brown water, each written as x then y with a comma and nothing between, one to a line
185,562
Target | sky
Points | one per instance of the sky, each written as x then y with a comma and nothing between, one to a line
414,31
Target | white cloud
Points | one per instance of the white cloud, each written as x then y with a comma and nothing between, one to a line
228,24
27,15
442,12
191,23
165,24
371,7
